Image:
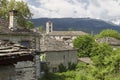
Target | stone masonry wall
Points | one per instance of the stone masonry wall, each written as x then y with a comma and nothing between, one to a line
58,57
7,72
25,70
28,70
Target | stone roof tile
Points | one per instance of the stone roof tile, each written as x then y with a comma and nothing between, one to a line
7,49
50,44
67,33
110,40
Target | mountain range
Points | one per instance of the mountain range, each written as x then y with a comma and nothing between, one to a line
83,24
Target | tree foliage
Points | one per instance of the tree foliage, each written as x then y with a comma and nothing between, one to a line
108,33
100,57
23,11
29,25
84,44
100,52
41,28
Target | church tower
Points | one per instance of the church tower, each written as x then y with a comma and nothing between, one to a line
49,27
13,20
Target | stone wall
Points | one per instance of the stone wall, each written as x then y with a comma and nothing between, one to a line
25,70
56,58
28,70
7,72
34,42
16,38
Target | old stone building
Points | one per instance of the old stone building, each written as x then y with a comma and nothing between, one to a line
56,47
12,56
55,52
115,43
11,32
61,35
66,36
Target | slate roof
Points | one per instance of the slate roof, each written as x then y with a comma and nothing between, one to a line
66,33
50,44
85,60
110,40
8,49
5,30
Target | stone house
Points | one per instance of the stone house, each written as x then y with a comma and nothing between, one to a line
56,47
11,32
110,40
55,52
12,56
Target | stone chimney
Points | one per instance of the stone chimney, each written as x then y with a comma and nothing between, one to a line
49,27
13,20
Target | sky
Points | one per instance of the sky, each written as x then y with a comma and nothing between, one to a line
98,9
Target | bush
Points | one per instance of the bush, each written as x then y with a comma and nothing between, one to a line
62,68
71,66
109,33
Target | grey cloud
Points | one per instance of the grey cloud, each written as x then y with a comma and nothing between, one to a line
85,2
90,8
34,2
95,3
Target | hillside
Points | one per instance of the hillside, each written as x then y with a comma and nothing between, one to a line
83,24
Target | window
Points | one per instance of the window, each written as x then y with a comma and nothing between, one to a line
43,66
54,69
25,43
50,29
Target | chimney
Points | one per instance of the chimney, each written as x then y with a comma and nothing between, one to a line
13,20
49,27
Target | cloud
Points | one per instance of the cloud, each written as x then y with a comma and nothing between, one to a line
103,9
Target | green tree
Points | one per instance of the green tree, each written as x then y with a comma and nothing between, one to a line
29,25
100,52
41,28
103,65
115,57
23,11
108,33
84,44
3,8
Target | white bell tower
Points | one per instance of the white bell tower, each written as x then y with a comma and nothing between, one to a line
49,27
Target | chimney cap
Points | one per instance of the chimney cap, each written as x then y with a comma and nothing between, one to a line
15,11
